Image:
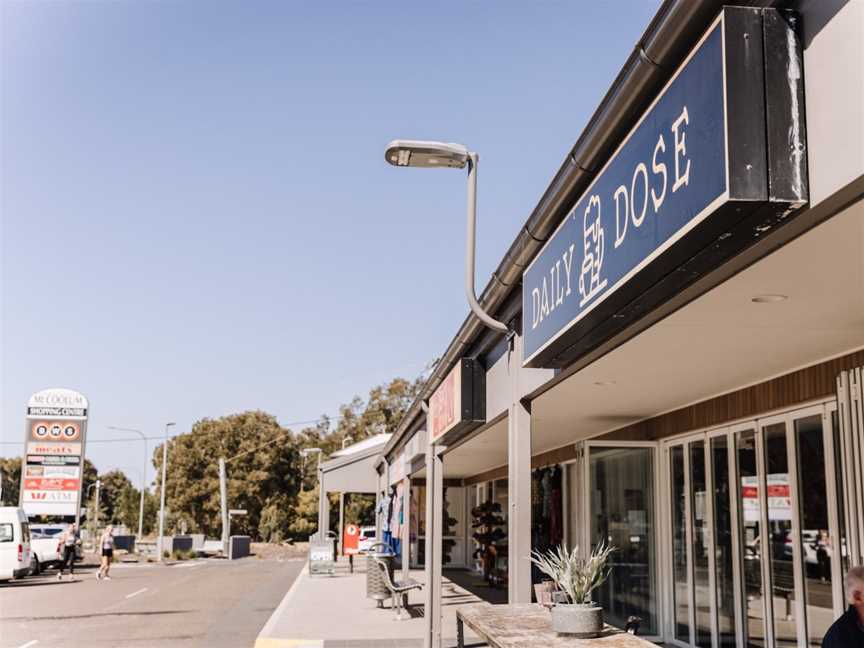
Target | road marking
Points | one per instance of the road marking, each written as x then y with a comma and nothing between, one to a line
29,643
141,591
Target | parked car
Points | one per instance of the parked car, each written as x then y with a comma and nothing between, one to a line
367,538
45,551
55,530
14,543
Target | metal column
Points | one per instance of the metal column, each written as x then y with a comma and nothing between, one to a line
323,508
405,529
518,484
434,528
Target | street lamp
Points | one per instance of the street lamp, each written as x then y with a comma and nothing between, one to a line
305,452
162,493
94,523
143,477
426,155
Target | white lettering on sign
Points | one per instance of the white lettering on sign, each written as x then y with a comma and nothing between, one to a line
592,249
681,147
631,208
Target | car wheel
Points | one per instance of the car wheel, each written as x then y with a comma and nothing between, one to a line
35,568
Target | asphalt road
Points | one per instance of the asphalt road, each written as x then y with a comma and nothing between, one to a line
197,603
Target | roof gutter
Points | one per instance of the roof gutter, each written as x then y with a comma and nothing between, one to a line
664,44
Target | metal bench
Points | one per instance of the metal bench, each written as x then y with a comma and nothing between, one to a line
399,590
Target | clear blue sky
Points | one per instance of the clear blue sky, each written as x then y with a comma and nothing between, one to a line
197,218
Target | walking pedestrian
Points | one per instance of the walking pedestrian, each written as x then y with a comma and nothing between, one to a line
106,542
69,541
848,630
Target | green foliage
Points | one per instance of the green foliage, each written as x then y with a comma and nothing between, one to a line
115,491
11,484
305,520
360,509
265,464
265,468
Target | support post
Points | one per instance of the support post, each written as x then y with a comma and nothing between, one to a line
405,530
518,484
223,501
341,523
323,508
141,500
434,528
159,541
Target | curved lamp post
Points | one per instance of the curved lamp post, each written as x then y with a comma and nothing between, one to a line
437,155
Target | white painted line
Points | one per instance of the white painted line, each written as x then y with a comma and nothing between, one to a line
29,643
141,591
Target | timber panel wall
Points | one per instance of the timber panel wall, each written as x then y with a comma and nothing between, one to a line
810,383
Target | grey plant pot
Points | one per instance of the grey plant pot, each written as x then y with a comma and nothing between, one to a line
578,619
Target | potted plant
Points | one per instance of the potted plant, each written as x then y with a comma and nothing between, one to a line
576,578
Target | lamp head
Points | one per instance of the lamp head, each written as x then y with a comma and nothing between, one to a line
419,153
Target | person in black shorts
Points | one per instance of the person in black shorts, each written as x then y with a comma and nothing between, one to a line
106,542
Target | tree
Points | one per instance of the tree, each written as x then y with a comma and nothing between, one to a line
263,462
11,484
113,485
305,518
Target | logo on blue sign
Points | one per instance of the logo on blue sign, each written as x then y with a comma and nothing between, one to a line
668,175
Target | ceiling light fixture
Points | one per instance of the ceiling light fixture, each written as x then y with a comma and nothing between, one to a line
604,383
769,299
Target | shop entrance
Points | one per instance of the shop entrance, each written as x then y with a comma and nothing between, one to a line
754,534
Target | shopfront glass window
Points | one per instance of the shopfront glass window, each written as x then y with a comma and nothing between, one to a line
701,544
751,540
679,545
817,545
723,564
838,483
622,514
779,536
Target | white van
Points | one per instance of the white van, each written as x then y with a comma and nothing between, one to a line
14,543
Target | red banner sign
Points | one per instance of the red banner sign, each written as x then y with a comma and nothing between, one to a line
47,483
351,540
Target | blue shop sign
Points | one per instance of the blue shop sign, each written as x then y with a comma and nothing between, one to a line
669,174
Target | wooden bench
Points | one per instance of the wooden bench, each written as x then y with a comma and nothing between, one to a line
528,625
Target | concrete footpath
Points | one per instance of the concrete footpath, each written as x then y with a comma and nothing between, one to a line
333,612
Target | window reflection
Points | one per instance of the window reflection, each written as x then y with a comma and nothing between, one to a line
701,540
817,545
779,535
723,537
679,545
751,515
622,513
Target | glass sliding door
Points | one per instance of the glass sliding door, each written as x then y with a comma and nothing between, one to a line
753,526
750,516
780,536
621,491
700,545
817,543
680,570
723,537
